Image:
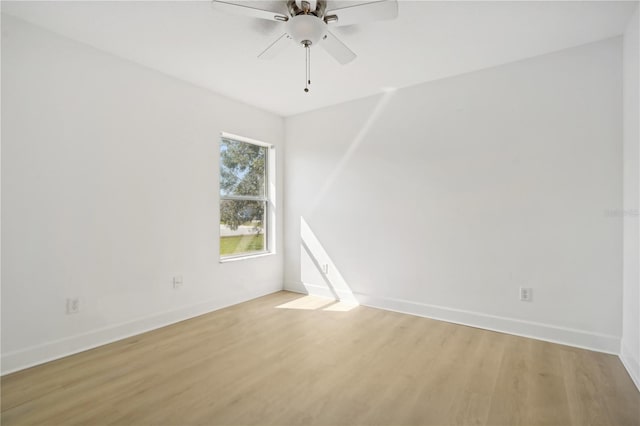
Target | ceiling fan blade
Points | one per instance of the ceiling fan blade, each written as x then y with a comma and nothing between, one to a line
337,49
364,12
251,12
275,48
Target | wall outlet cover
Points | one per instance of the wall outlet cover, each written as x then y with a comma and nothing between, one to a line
73,305
526,294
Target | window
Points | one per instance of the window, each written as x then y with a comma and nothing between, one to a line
244,197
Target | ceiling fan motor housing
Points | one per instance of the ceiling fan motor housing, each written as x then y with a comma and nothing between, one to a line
306,28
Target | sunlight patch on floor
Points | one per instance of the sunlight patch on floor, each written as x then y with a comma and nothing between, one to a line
307,303
341,307
315,303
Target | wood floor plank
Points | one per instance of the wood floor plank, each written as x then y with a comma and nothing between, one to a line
290,359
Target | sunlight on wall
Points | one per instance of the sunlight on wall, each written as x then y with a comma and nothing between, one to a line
319,274
384,100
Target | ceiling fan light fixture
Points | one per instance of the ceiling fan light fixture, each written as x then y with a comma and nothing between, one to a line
306,28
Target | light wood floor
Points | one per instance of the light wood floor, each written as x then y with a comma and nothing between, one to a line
254,363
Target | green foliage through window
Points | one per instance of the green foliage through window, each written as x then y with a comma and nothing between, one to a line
243,197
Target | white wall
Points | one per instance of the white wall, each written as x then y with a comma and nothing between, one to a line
444,198
630,351
109,189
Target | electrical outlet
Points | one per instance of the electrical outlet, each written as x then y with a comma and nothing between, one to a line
325,268
177,281
526,294
73,306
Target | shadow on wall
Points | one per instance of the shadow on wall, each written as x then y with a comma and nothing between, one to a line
319,274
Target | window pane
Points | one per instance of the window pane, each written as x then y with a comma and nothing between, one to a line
242,227
242,168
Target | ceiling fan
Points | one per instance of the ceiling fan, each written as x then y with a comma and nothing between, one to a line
307,23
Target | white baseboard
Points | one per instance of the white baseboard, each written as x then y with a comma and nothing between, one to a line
631,364
295,288
320,291
535,330
324,291
25,358
49,351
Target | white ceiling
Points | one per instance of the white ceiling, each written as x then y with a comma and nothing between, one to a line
428,40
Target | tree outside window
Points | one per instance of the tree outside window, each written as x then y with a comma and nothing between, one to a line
243,198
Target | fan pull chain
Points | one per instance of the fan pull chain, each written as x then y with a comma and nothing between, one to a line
307,60
309,69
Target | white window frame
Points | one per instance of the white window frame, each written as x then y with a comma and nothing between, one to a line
269,199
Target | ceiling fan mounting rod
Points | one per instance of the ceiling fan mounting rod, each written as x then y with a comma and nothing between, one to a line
295,10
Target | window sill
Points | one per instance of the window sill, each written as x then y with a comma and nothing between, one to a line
245,257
